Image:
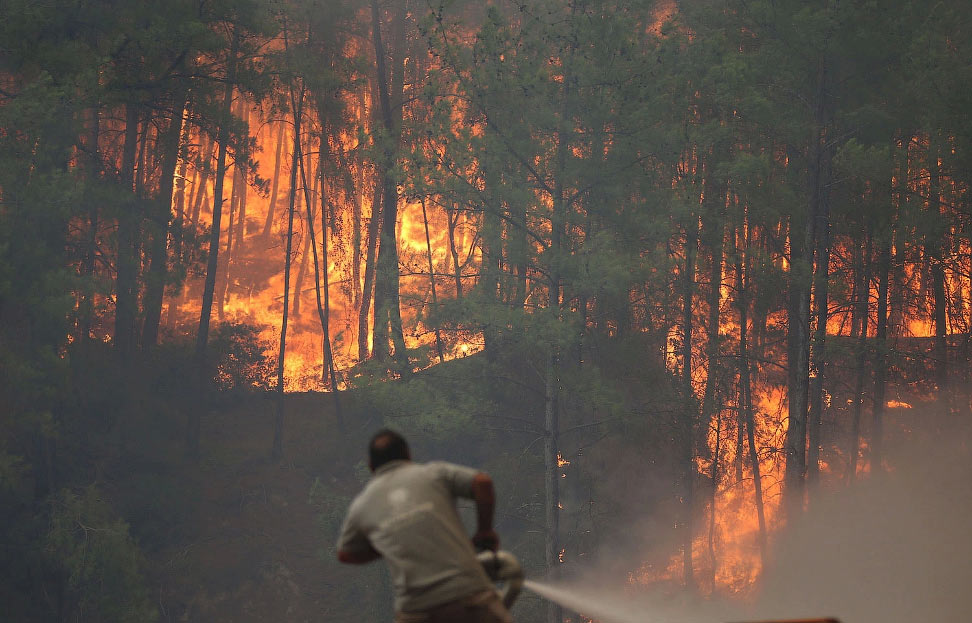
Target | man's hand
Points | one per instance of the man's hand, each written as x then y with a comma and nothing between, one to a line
486,539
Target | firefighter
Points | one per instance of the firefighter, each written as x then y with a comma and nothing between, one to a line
407,515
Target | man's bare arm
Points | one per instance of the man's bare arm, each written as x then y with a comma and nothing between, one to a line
485,498
358,558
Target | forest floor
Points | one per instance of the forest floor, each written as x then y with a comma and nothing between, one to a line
252,549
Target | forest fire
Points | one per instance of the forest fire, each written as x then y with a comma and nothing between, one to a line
440,259
671,271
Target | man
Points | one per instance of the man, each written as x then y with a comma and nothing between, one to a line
407,514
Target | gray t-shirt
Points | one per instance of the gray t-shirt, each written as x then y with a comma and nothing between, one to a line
407,513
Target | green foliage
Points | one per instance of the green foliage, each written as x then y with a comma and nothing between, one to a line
243,361
438,402
158,503
865,162
89,546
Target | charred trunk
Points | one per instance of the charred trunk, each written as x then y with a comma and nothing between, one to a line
209,287
881,353
127,258
179,223
864,313
798,304
435,300
204,163
688,418
935,249
274,184
453,218
323,311
162,214
93,174
553,553
297,102
388,318
821,276
367,290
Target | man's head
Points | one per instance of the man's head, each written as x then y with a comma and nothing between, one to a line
386,446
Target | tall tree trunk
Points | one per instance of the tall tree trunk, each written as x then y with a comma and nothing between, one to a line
126,289
714,475
209,287
453,220
306,195
326,310
304,257
881,354
388,318
367,290
141,170
179,223
158,256
297,103
352,195
935,249
761,304
687,425
322,306
190,194
715,198
757,476
518,249
244,187
745,260
223,276
798,346
798,324
435,300
239,183
745,401
274,183
202,188
558,229
821,277
863,312
551,443
93,174
491,242
714,232
857,267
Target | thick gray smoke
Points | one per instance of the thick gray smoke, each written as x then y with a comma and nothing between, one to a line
894,548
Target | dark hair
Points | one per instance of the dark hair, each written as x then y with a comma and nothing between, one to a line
386,445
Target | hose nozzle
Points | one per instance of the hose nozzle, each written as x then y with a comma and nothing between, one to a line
503,568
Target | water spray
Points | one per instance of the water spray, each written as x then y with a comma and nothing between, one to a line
505,570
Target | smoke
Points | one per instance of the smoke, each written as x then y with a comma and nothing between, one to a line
895,547
892,548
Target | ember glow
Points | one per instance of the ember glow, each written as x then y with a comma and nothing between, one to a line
254,294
